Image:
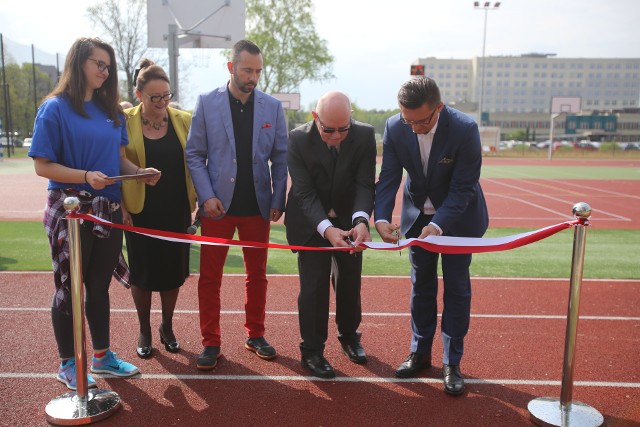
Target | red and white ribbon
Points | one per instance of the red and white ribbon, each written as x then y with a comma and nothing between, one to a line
440,244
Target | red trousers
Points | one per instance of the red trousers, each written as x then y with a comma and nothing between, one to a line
212,259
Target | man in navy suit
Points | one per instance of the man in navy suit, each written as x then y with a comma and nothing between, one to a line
237,156
440,149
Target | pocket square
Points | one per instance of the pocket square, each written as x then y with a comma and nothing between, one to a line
266,125
445,161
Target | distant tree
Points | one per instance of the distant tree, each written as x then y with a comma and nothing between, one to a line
124,23
376,118
518,135
20,87
292,50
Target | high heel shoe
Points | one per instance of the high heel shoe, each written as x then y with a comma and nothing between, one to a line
145,351
170,346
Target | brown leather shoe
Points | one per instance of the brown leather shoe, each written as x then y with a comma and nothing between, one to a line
414,363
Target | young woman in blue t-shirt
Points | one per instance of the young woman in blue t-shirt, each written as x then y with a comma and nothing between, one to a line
78,143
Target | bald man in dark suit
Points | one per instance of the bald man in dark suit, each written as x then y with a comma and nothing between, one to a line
332,162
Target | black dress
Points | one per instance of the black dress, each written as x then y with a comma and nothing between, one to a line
159,265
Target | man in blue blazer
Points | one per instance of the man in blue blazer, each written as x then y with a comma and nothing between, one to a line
440,149
237,156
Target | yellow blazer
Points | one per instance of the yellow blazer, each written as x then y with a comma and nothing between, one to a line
133,191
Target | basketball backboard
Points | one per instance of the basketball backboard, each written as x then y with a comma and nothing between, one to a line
290,101
565,104
205,23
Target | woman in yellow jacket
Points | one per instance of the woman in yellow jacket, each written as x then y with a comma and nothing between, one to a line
157,137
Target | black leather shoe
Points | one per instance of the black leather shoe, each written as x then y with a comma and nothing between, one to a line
172,346
355,352
318,366
144,352
261,347
453,381
208,359
414,363
144,349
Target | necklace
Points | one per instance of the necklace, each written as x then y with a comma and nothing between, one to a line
155,125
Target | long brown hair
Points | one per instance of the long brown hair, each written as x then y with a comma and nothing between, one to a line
73,85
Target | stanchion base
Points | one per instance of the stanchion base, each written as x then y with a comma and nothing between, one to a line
548,411
67,410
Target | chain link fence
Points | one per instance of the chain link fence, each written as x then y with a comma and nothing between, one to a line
28,75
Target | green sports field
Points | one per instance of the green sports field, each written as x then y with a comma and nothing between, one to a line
611,253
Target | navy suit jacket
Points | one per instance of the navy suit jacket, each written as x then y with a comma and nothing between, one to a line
211,150
452,181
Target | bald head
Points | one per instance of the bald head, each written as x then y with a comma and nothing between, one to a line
333,117
333,107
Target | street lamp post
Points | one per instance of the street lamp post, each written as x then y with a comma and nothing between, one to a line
486,6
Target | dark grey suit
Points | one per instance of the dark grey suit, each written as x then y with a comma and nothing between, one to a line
317,186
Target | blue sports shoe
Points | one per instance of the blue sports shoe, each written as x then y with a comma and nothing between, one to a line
67,375
110,364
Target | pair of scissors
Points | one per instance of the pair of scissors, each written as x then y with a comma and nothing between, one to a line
397,232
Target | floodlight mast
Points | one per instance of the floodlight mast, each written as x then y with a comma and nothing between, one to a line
486,7
178,35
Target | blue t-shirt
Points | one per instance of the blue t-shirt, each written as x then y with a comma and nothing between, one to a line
91,143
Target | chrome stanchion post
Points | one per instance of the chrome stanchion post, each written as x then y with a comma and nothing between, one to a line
81,406
548,411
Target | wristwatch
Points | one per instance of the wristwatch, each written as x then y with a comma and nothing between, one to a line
360,220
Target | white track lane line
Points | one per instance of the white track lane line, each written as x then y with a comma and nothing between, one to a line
477,381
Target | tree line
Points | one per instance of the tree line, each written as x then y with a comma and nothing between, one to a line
21,98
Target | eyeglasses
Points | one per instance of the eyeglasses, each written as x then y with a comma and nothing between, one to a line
158,98
102,66
419,122
334,130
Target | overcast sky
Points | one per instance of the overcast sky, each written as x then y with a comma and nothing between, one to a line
374,41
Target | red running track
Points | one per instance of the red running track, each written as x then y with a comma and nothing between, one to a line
513,354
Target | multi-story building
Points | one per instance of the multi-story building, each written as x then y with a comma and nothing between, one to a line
516,92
